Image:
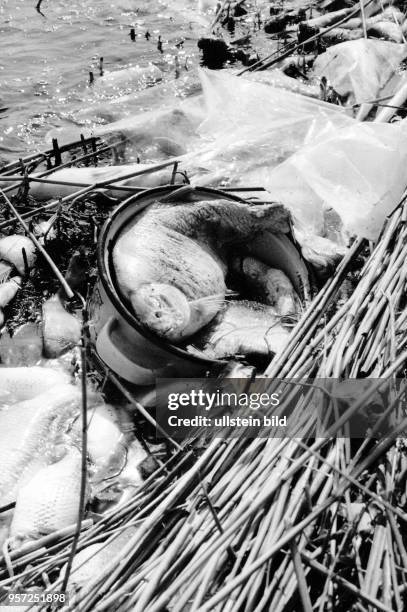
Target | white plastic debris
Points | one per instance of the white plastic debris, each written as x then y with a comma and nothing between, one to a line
251,126
359,172
359,69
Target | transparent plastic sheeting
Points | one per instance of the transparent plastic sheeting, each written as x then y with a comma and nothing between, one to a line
250,128
308,154
327,160
238,109
228,123
359,172
360,69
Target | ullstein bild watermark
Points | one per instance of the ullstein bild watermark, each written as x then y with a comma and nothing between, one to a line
280,407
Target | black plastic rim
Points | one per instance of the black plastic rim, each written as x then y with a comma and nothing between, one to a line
111,291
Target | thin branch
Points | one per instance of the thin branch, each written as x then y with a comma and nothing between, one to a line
38,8
83,487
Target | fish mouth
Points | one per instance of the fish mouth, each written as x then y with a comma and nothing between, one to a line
162,309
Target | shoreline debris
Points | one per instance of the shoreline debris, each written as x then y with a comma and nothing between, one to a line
310,520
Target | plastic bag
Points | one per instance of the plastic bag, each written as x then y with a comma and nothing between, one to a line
249,126
237,107
308,154
234,125
168,93
359,69
151,136
359,172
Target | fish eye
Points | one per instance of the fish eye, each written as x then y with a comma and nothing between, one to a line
158,315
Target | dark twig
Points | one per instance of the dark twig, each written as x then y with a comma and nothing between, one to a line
38,8
82,494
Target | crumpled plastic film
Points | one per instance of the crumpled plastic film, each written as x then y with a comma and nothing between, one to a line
251,126
310,155
359,69
277,78
237,108
359,172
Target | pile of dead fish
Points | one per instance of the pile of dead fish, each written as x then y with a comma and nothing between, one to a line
40,419
40,455
172,265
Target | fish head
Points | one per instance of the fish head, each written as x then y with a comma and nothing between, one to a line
162,308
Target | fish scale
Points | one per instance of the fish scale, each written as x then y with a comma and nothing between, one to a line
245,328
28,430
24,383
50,500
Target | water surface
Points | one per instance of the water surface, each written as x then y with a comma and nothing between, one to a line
45,60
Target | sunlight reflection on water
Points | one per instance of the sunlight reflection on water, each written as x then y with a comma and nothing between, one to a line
45,61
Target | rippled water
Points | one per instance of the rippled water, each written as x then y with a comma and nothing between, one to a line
45,61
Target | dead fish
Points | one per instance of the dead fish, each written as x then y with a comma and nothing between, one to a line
245,328
49,501
61,330
278,251
11,249
166,310
114,457
28,430
170,261
390,13
105,440
322,21
337,35
270,286
386,30
352,24
24,383
8,291
23,348
323,254
90,561
130,476
5,271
